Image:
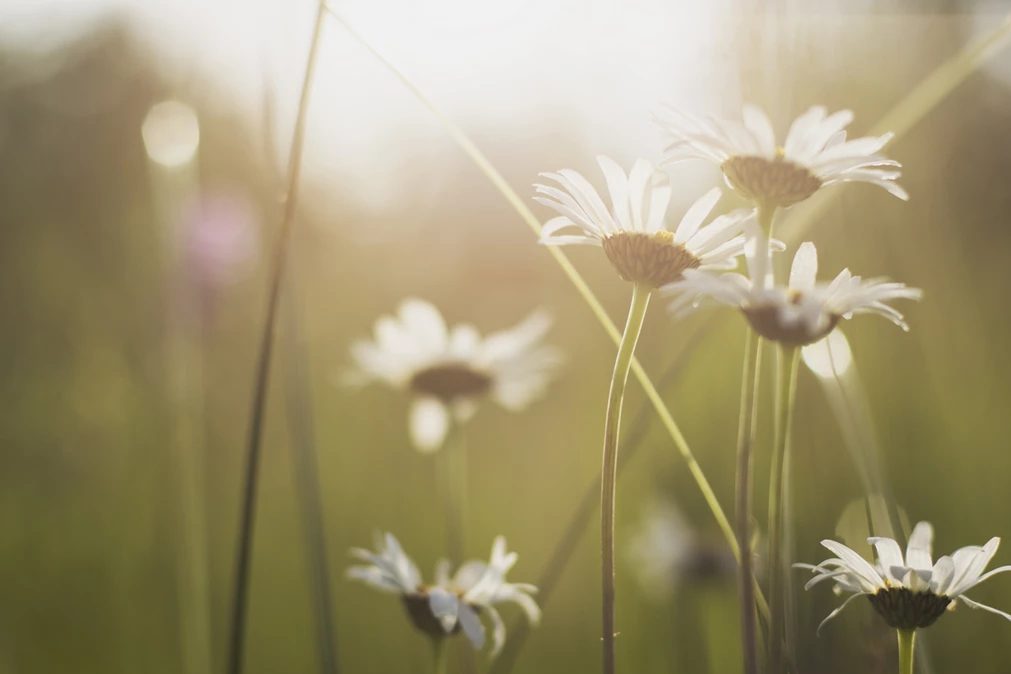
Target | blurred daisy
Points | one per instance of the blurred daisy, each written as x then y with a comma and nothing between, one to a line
815,153
802,312
633,232
453,603
665,552
908,592
447,371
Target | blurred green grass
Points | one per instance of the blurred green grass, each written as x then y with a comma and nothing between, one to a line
89,500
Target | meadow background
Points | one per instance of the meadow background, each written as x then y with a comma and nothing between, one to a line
94,343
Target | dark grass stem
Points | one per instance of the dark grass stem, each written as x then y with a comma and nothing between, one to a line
779,485
240,599
609,465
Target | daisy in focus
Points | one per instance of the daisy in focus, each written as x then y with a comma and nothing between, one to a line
800,313
909,592
632,231
448,371
452,604
815,153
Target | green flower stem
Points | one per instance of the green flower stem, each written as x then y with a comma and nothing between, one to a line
745,444
454,487
907,644
612,424
779,483
440,655
247,517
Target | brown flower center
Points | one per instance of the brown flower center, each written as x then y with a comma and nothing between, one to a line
765,320
907,610
450,381
776,182
652,259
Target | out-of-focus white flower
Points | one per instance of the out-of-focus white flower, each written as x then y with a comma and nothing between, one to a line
449,370
453,603
666,551
908,592
800,313
814,154
633,230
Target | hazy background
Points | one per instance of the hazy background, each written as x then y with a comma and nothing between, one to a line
98,243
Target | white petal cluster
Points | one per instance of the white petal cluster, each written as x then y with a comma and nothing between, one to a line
512,367
638,205
801,312
950,577
456,601
816,142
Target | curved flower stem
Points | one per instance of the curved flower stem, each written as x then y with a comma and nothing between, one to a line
244,550
745,445
440,656
907,643
786,389
609,470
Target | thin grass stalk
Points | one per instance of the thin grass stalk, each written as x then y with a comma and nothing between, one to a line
750,381
779,484
240,599
307,485
609,465
514,200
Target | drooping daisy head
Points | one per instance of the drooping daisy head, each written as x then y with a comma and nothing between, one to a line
632,231
448,370
908,592
800,313
814,154
453,603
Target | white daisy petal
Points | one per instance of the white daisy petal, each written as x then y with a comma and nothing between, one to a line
429,423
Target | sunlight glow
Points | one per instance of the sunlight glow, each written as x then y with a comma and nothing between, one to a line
171,134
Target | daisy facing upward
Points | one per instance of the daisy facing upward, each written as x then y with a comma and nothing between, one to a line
815,153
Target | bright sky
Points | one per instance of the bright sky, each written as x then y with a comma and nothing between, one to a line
596,69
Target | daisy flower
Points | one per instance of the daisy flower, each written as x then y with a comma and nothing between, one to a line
666,551
448,371
802,312
632,231
908,592
814,154
452,604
